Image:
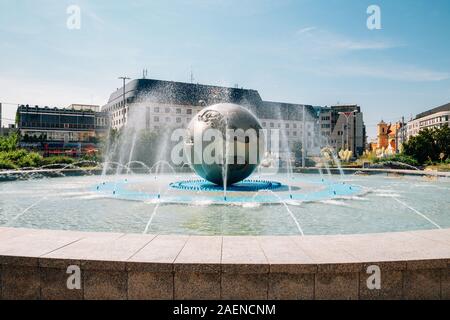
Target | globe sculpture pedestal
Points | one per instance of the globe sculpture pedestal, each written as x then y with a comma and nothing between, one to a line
224,144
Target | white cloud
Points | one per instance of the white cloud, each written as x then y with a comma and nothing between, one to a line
306,30
318,40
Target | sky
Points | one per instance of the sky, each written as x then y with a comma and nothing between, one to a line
317,52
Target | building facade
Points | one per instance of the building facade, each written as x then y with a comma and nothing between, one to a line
84,107
170,104
342,127
434,118
390,137
61,131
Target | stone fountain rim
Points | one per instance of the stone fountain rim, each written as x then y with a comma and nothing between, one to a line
429,248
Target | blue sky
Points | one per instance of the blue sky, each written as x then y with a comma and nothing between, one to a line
316,52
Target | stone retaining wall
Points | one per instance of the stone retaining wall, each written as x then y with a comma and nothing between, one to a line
33,265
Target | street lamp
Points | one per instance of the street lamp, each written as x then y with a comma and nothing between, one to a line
124,79
303,137
347,117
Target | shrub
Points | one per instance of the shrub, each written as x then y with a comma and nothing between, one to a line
7,164
57,160
21,158
403,158
31,159
15,155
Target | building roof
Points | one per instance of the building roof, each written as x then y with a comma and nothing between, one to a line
182,93
346,108
445,107
282,110
28,108
191,94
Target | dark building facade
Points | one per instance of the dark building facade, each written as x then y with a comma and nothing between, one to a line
61,131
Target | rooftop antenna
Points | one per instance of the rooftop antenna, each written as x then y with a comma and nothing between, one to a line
144,73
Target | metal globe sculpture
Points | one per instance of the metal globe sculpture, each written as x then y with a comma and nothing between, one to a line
224,143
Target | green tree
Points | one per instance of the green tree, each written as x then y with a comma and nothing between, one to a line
428,145
9,143
442,140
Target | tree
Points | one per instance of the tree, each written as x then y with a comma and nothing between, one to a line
9,143
442,139
428,145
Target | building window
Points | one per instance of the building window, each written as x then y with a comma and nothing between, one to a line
156,109
271,124
263,124
167,119
178,111
287,125
167,110
178,120
189,111
156,119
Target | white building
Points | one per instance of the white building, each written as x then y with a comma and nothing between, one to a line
84,107
173,104
434,118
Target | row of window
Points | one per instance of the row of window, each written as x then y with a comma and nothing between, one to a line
168,110
168,119
45,118
56,125
101,122
278,125
416,131
119,121
434,121
120,112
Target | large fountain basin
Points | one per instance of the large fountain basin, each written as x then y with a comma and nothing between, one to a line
380,203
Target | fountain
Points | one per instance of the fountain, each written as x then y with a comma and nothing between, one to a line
234,127
224,144
236,186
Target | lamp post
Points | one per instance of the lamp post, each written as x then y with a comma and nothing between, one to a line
347,117
303,137
124,79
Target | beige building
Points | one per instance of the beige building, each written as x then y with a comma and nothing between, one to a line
434,118
342,127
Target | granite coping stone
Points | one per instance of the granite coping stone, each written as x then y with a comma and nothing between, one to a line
200,254
412,250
